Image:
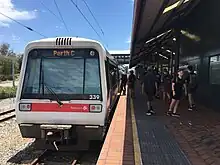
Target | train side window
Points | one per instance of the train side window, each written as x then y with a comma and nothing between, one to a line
107,74
214,70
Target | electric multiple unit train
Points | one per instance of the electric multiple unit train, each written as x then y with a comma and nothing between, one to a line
67,88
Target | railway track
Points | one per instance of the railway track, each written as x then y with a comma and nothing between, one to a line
6,115
47,157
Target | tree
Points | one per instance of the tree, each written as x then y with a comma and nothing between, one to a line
4,49
20,61
11,53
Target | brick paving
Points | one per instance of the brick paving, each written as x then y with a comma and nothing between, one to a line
157,144
118,145
197,132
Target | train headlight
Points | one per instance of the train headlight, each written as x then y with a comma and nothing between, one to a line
95,108
24,107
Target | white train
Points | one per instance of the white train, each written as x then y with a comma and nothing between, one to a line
67,89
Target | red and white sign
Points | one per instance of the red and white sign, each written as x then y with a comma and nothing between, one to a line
54,107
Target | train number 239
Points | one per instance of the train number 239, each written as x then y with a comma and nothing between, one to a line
94,97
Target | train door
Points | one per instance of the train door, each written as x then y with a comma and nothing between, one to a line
112,80
107,75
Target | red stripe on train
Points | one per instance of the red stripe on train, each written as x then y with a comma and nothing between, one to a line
54,107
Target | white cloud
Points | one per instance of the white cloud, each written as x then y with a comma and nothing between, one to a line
15,39
8,8
2,24
59,27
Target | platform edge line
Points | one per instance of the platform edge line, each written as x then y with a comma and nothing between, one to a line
136,144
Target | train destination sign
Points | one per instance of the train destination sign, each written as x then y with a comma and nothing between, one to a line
58,53
63,52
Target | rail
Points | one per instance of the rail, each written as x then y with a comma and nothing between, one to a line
6,115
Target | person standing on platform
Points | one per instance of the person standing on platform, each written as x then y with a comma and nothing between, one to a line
123,83
166,83
192,85
150,88
158,80
131,83
177,90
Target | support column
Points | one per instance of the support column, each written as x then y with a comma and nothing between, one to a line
171,64
161,67
177,51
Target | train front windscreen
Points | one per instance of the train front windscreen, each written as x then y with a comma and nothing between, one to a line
72,74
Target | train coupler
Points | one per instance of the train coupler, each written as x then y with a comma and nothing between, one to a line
55,133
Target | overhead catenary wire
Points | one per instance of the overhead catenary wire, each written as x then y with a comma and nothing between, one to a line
102,31
61,16
93,16
51,11
28,28
85,18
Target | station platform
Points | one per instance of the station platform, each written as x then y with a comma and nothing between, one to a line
134,138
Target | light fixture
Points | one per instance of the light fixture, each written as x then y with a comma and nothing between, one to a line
186,1
157,36
191,36
173,6
150,40
163,56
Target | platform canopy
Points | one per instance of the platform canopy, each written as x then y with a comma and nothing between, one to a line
153,24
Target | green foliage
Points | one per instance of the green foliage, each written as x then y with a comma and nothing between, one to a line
7,57
4,49
7,92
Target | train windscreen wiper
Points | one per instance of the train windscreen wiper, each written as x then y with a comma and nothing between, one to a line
53,93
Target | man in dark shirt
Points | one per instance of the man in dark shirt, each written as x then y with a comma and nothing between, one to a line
131,83
150,88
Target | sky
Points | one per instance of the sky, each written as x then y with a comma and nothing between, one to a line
113,16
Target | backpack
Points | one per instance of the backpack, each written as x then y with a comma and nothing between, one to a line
193,83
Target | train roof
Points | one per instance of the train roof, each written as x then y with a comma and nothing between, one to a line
55,39
67,41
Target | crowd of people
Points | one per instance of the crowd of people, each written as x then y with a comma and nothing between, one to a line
172,88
